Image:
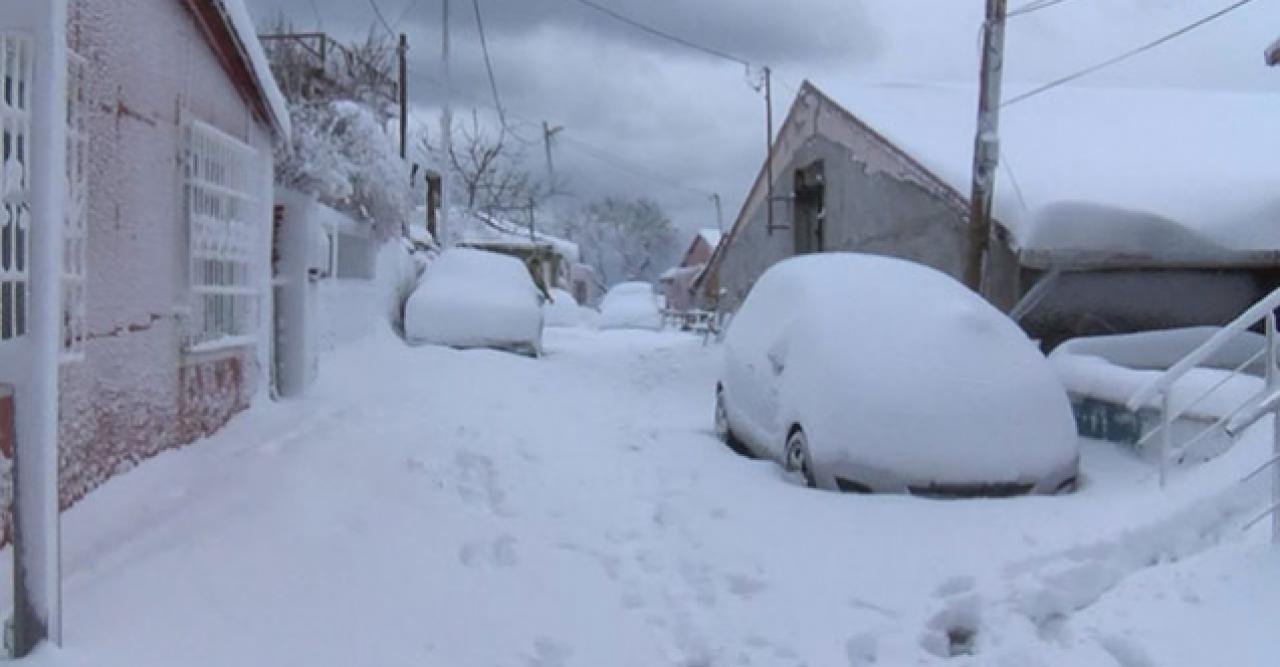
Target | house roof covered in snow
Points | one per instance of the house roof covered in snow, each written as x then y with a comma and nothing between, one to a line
247,58
711,236
478,228
1190,159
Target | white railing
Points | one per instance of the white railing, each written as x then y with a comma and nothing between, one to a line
1236,420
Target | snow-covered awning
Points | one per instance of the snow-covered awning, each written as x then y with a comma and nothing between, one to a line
1197,159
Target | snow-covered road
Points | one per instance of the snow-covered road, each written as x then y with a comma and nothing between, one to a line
434,507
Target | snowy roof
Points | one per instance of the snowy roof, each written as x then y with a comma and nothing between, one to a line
240,23
1198,159
479,228
711,236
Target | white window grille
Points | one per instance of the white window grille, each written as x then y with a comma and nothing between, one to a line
218,192
75,228
16,76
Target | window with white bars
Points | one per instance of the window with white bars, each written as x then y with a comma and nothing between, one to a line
16,75
218,192
75,228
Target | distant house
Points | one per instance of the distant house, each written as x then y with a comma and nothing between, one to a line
676,283
1117,210
165,285
557,257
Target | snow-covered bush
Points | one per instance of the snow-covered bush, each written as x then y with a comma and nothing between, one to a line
562,310
342,154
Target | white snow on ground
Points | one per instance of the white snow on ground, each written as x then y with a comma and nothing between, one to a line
428,506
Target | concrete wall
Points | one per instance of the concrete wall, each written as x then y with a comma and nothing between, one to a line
1123,301
877,201
136,392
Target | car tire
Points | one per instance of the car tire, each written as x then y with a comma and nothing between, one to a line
796,457
724,432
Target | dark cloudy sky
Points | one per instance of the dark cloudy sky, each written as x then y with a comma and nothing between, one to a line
677,124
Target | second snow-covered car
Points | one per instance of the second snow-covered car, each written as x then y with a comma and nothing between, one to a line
632,305
473,298
871,374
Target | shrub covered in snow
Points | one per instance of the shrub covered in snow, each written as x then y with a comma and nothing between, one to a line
474,298
562,310
340,153
630,305
896,378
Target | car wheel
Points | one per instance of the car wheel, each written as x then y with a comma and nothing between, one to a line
724,432
797,457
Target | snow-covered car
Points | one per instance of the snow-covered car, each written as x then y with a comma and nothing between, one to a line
632,305
474,298
871,374
562,310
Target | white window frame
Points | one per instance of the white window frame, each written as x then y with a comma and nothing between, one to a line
219,184
17,79
75,231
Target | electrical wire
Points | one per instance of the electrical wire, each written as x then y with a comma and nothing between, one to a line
584,148
382,19
488,66
1033,6
1124,56
663,34
405,13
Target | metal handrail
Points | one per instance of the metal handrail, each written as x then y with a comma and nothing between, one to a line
1256,406
1235,372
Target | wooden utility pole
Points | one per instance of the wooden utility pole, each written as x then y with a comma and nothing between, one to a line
446,128
986,144
401,52
547,133
715,197
768,154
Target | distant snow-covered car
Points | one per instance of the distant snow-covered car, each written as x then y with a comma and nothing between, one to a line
562,310
871,374
474,298
632,305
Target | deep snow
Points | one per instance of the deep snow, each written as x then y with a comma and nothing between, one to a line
427,506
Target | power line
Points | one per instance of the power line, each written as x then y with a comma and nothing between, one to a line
488,66
382,19
1033,6
1126,55
590,150
662,34
613,160
405,13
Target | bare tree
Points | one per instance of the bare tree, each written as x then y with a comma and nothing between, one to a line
488,169
628,238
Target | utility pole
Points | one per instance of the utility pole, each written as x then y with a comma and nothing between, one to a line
986,144
547,133
446,128
715,197
401,52
768,155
